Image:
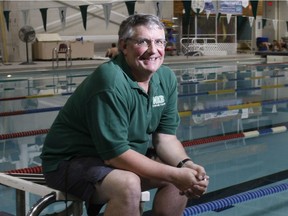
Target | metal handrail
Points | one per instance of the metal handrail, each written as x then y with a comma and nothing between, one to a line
55,56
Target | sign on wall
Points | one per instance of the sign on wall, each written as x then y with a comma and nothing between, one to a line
230,7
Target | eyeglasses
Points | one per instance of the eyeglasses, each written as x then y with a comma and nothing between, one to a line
160,43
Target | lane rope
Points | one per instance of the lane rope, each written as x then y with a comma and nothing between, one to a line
235,199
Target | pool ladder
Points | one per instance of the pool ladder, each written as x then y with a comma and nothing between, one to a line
65,50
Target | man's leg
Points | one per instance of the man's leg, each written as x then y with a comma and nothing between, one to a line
167,200
121,190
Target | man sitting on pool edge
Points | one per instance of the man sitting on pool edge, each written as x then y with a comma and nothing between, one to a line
97,144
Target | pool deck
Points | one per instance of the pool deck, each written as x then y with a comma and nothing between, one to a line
16,67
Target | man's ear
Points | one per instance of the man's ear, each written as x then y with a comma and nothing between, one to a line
122,45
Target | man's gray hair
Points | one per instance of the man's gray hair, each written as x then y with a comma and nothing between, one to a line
150,21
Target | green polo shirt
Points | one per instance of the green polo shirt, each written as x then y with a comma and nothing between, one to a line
109,113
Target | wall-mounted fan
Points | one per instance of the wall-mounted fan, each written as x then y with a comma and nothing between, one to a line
27,34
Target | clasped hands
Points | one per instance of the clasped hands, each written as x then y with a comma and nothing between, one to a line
199,182
197,189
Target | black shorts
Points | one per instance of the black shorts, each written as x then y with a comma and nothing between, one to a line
78,176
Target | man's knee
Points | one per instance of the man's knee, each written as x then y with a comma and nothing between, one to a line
123,184
131,185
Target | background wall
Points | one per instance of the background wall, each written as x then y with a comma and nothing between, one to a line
103,35
275,10
96,29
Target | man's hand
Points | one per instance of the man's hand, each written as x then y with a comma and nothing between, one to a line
201,173
197,190
198,183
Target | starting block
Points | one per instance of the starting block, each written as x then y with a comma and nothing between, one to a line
35,183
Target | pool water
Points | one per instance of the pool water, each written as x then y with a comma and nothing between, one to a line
233,122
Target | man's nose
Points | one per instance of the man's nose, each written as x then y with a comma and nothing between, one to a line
152,46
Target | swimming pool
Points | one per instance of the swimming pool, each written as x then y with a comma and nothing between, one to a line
233,121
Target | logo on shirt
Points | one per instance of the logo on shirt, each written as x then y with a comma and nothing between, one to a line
158,101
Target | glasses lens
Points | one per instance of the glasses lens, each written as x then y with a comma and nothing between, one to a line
147,43
160,43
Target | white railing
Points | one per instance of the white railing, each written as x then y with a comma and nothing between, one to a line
201,46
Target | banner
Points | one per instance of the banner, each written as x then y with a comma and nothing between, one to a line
187,9
198,6
208,14
158,8
254,4
43,12
62,15
25,16
83,9
130,7
263,23
274,22
228,18
6,16
218,16
251,19
107,12
245,3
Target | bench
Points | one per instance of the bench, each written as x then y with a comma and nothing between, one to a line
35,183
